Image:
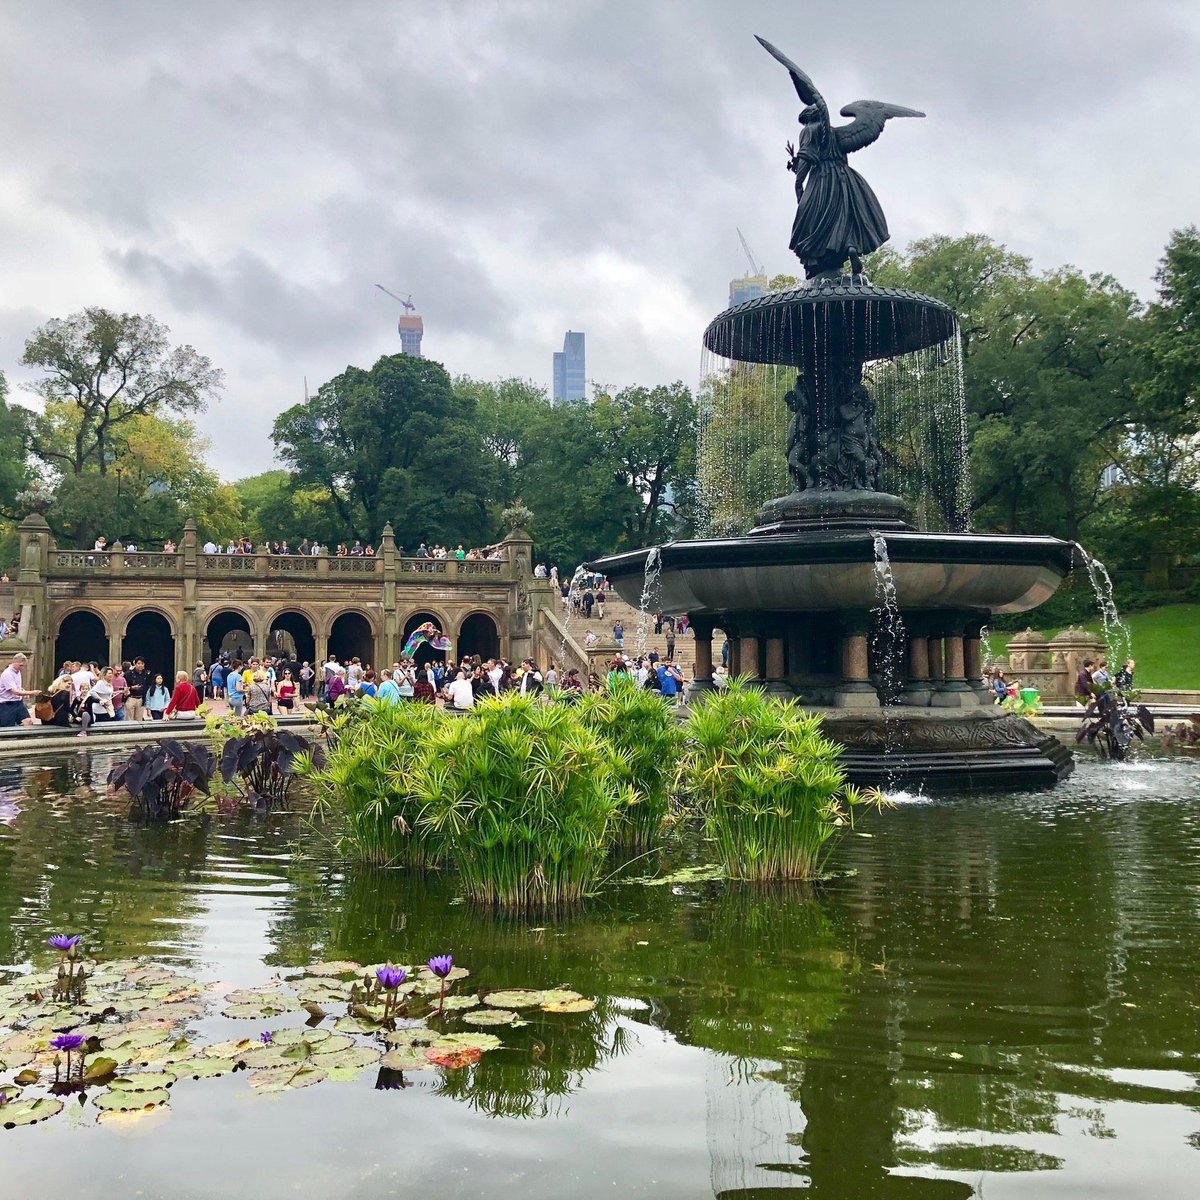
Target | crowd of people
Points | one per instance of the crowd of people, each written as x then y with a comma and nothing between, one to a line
356,549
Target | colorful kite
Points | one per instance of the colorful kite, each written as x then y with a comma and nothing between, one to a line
427,633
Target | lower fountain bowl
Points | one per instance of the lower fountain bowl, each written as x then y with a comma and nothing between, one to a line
825,570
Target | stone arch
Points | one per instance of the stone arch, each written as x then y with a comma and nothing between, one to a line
425,652
150,634
297,632
479,633
81,634
219,624
352,634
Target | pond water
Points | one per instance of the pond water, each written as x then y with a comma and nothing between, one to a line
998,996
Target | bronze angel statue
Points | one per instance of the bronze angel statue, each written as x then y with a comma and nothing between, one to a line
837,214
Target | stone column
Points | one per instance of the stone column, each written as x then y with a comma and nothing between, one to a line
973,659
114,643
937,670
31,599
952,691
189,631
387,560
777,664
702,672
856,689
917,689
747,656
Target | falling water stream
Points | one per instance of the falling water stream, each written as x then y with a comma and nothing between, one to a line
572,594
650,590
1116,633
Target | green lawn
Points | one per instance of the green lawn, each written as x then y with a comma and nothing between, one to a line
1166,644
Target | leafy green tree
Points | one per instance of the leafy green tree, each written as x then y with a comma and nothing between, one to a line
103,370
648,437
157,479
278,509
395,443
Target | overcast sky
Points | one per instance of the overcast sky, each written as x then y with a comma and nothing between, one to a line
247,171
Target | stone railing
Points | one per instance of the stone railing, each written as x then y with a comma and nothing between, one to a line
82,564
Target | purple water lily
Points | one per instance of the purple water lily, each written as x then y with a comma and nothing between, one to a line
441,965
68,1042
265,1037
390,977
64,942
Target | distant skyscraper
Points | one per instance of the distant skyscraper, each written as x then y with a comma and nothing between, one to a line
569,373
411,327
749,287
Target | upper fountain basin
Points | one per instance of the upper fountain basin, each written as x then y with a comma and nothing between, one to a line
822,571
846,317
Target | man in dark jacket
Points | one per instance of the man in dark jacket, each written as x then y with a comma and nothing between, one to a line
138,679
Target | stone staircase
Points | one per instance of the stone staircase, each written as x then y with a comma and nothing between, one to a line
614,608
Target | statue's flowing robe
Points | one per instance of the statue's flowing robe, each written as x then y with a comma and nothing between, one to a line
837,209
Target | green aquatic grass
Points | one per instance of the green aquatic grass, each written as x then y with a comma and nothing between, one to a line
367,776
1165,645
646,740
769,786
523,796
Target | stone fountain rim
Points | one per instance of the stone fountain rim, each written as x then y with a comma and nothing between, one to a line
816,547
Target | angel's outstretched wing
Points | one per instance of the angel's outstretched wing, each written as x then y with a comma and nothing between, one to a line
805,88
870,116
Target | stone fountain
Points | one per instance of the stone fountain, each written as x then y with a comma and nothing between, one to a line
895,669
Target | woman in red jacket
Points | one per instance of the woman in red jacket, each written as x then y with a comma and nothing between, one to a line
184,699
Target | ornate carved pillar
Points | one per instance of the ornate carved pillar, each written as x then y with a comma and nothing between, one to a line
856,689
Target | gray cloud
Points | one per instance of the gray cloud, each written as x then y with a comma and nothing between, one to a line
248,172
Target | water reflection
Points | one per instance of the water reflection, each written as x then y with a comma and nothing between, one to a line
995,989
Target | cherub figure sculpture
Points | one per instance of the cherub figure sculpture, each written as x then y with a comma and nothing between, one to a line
837,214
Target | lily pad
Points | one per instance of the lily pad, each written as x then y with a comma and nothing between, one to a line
282,1079
332,968
455,1058
232,1050
347,1065
146,1081
415,1036
490,1016
514,998
457,1003
265,1056
122,1100
288,1037
96,1068
332,1043
252,1012
29,1112
481,1041
25,1078
201,1067
559,996
135,1039
406,1059
355,1025
570,1006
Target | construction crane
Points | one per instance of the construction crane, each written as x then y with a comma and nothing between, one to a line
755,268
409,306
